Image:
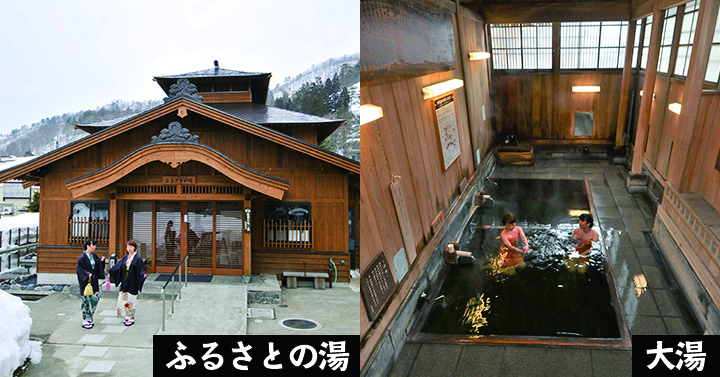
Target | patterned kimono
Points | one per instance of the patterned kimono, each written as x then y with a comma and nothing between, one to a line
87,264
129,274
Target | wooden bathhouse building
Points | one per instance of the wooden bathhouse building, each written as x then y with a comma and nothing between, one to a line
212,173
622,93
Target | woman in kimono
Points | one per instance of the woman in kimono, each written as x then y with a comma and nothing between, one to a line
129,273
90,268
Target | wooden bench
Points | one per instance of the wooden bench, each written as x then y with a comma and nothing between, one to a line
292,278
318,276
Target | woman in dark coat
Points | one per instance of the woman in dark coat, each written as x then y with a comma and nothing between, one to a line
129,273
90,268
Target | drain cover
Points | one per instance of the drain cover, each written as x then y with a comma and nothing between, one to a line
299,324
261,313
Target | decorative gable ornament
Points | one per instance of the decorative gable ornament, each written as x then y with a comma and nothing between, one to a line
175,133
184,88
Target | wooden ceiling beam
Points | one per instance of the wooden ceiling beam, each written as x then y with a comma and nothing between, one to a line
557,12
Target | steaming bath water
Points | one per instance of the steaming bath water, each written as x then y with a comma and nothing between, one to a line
557,293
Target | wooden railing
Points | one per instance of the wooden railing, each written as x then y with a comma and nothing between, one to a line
20,236
82,228
288,235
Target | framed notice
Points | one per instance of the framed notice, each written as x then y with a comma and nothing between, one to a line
447,129
178,180
376,285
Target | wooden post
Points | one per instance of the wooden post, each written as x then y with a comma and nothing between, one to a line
626,86
649,88
685,138
114,223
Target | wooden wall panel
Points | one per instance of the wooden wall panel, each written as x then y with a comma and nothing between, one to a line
301,188
405,143
331,234
54,212
60,261
670,121
535,106
330,186
705,178
477,90
276,263
657,114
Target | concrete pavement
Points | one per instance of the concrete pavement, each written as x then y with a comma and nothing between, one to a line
112,349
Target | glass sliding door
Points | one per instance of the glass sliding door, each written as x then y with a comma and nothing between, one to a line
229,235
199,235
140,226
209,233
168,221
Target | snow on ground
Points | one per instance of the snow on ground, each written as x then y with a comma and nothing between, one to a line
15,343
20,221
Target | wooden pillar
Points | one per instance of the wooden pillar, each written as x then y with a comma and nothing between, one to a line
686,138
649,88
626,83
115,222
556,36
247,240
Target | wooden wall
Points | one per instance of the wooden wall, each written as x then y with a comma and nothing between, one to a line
324,185
706,178
662,123
542,105
405,143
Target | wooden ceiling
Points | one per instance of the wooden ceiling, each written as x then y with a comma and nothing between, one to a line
512,11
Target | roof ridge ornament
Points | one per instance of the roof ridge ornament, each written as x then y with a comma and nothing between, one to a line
175,133
185,89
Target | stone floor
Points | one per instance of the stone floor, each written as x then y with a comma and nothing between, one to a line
648,294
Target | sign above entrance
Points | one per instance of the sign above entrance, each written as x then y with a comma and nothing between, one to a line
179,180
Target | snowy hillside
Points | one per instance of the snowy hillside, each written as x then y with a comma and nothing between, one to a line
325,70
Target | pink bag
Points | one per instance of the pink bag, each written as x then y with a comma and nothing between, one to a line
107,286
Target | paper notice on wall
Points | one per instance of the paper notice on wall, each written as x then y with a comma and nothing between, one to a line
448,129
401,264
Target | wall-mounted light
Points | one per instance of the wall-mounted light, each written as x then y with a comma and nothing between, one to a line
675,107
479,55
369,113
641,94
441,88
586,89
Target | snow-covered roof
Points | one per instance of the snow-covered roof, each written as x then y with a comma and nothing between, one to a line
7,162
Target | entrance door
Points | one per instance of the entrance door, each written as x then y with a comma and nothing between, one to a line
198,239
168,225
209,233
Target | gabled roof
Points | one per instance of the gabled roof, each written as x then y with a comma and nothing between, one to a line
269,116
30,167
215,72
256,113
103,124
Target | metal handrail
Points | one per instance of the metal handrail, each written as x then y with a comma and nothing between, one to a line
15,250
172,279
